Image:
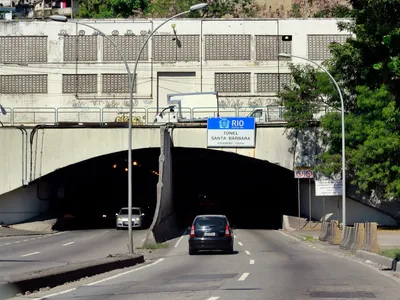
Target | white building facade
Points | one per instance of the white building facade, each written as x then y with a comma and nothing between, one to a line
53,72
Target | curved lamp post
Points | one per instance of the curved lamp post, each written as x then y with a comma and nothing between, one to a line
131,78
286,55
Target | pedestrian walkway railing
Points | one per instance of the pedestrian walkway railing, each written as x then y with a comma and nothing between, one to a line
141,115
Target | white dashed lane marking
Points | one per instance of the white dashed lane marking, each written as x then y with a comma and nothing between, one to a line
243,277
252,261
247,252
240,244
70,243
29,254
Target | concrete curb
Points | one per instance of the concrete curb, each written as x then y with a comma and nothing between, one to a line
53,277
378,259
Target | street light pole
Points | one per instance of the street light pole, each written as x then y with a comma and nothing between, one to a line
286,55
193,8
131,79
65,19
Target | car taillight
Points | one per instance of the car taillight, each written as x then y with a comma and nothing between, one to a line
192,231
227,232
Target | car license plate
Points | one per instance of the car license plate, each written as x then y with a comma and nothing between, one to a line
209,233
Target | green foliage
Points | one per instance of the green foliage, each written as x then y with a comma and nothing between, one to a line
111,9
368,70
304,98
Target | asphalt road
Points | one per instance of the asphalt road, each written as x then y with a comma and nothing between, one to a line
268,265
20,254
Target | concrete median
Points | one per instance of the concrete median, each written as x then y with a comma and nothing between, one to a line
348,236
52,277
334,237
324,232
371,238
386,262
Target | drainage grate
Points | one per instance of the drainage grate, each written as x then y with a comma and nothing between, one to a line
342,295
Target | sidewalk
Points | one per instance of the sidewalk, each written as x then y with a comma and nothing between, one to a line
386,239
29,228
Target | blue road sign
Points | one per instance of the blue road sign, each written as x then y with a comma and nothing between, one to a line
231,123
231,132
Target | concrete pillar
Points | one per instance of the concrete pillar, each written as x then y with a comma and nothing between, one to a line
164,225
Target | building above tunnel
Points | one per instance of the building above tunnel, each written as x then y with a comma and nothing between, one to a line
48,66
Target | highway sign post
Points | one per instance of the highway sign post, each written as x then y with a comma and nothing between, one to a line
304,173
232,132
328,187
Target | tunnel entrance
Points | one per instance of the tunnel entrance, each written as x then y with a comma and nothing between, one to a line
89,194
250,192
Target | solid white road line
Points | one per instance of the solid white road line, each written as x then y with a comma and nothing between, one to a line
247,252
213,298
29,254
240,243
100,281
177,243
55,294
252,261
243,277
70,243
125,273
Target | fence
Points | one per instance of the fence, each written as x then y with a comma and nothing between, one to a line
141,115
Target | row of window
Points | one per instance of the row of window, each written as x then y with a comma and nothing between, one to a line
118,83
33,49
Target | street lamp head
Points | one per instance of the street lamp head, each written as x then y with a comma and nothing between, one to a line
198,6
59,18
284,55
2,109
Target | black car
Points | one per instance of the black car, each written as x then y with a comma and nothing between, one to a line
210,232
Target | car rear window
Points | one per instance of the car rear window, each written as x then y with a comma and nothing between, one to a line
210,222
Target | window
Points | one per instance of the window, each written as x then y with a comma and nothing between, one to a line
232,82
79,84
267,47
185,48
23,84
318,45
23,49
227,47
116,84
80,48
130,46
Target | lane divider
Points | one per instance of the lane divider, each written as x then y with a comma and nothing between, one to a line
125,273
70,243
213,298
29,254
247,252
243,277
252,261
240,244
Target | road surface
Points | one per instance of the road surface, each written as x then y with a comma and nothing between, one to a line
268,265
21,254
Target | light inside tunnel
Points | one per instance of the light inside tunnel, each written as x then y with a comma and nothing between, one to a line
93,192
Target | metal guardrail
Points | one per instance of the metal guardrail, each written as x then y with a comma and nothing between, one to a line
142,115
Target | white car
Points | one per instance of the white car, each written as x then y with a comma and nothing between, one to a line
122,218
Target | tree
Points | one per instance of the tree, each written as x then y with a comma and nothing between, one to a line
97,9
367,69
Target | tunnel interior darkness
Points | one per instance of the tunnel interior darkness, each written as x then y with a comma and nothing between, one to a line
252,193
89,194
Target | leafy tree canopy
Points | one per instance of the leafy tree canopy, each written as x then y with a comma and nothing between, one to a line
98,9
367,68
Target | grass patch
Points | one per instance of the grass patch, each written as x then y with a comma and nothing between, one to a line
154,246
392,253
308,238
